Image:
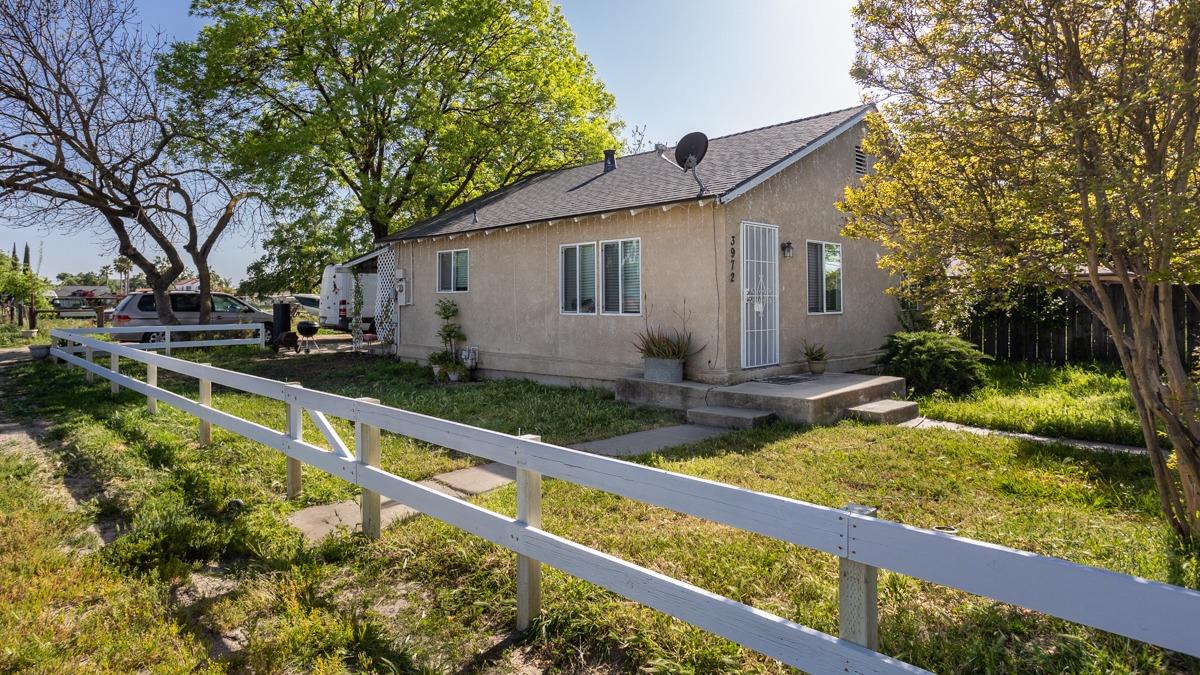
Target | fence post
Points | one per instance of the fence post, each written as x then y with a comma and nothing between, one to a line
529,571
295,431
114,364
206,401
262,336
369,452
87,353
167,331
152,380
858,591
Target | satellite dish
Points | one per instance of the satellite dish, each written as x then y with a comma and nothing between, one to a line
690,150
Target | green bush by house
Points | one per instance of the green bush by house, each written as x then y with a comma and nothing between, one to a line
931,361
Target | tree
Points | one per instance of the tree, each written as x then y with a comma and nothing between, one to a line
296,253
1051,144
409,106
87,139
124,267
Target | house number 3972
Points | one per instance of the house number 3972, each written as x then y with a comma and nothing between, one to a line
732,258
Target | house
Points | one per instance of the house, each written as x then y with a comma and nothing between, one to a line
556,274
192,284
80,291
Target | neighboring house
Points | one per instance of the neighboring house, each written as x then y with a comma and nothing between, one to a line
556,274
81,291
188,285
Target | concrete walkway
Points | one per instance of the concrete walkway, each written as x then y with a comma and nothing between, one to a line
642,442
318,522
1095,446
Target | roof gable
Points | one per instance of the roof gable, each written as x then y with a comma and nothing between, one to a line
733,165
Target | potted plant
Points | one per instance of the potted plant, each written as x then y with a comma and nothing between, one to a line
663,353
458,372
440,361
816,356
447,365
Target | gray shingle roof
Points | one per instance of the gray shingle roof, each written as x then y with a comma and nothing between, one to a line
639,180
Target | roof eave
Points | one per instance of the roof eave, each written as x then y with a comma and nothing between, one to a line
762,176
700,200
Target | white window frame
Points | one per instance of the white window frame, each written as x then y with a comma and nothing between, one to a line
620,279
841,290
437,270
595,270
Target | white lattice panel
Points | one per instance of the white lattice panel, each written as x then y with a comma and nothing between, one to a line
385,299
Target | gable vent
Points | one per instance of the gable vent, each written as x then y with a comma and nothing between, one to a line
860,161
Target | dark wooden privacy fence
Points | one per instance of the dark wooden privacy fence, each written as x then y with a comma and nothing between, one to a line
1057,328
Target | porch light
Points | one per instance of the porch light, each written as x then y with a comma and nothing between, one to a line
788,249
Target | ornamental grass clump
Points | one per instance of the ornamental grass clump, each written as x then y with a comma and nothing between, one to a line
930,361
656,343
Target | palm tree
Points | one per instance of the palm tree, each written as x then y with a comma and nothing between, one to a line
124,267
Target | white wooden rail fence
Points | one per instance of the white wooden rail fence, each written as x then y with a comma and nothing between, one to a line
169,333
1160,614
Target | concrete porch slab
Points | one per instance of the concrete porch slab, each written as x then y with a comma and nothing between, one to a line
642,442
822,399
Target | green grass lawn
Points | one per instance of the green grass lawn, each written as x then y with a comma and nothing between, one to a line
65,611
428,598
1088,402
10,333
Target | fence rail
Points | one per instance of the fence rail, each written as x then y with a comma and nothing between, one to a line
170,331
1144,610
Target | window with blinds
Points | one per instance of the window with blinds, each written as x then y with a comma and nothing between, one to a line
577,274
824,277
453,270
621,276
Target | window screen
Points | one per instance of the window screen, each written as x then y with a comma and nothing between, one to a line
577,272
453,270
461,267
622,267
824,277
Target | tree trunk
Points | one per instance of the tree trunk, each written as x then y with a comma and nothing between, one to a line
160,281
1163,394
204,274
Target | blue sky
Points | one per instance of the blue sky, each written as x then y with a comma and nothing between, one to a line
717,66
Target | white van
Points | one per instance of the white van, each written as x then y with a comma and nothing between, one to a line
337,296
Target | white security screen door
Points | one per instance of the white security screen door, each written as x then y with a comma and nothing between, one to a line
760,295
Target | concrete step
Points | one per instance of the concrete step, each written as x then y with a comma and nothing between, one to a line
728,418
885,411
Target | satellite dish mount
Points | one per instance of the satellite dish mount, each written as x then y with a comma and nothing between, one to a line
689,152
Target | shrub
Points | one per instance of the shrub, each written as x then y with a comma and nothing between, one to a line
656,343
931,361
815,351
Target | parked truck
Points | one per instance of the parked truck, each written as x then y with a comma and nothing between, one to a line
337,297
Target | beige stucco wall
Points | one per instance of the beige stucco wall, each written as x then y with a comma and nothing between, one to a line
801,201
511,312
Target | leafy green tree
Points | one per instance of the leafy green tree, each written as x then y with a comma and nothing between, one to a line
296,253
1048,144
82,278
409,106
